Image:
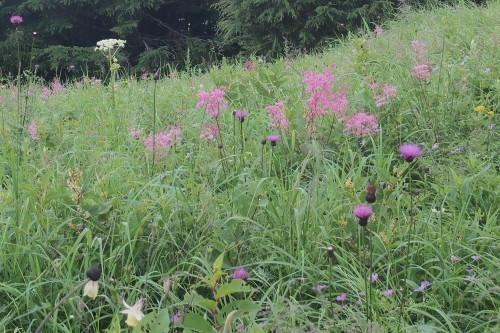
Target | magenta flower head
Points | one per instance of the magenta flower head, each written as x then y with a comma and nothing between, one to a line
240,114
341,298
16,19
409,151
240,274
363,212
273,139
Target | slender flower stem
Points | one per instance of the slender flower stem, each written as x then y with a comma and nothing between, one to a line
407,263
154,128
242,145
61,302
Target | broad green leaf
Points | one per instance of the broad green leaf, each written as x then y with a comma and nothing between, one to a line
235,286
217,267
195,322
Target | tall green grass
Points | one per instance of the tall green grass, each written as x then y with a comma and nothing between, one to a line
89,193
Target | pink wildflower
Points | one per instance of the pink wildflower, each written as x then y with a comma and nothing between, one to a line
163,141
134,134
421,72
382,95
424,285
1,99
213,101
249,65
361,124
56,86
277,118
209,132
45,92
16,19
322,100
32,131
420,48
378,30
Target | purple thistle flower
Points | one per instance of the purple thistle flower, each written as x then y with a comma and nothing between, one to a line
240,114
409,151
240,273
363,212
16,19
341,298
388,292
475,257
273,139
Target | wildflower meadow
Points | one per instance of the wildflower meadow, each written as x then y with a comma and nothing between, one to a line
349,190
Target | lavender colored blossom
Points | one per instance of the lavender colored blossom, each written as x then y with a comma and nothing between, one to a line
373,277
409,151
455,259
273,139
240,273
475,257
175,318
424,285
16,19
388,292
363,212
341,298
319,288
240,114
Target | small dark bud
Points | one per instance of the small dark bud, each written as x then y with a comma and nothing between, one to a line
34,33
329,252
370,192
370,198
156,75
427,169
382,183
263,142
220,146
94,272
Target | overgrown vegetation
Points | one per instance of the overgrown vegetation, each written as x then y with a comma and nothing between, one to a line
236,199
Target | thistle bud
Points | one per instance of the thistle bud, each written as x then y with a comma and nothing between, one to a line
94,273
329,252
370,192
156,75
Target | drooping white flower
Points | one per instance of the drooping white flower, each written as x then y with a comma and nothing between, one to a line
134,313
91,289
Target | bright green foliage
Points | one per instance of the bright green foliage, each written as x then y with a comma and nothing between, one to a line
84,191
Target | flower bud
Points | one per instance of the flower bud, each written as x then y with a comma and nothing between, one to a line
329,252
156,75
370,192
94,273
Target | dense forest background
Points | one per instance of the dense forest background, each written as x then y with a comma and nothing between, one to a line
57,37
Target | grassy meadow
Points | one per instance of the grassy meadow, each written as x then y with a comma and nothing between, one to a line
353,190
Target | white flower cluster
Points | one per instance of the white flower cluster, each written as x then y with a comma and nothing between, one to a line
109,44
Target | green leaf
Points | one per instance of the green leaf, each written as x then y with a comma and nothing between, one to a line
195,299
235,286
154,322
195,322
256,329
217,267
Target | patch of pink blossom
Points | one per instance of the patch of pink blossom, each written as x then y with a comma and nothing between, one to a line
383,94
163,141
378,30
361,124
32,131
209,132
45,92
421,72
277,118
134,134
419,48
249,65
213,101
56,85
